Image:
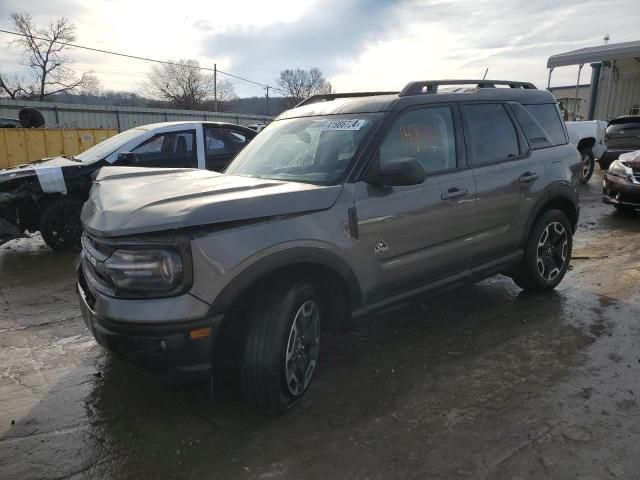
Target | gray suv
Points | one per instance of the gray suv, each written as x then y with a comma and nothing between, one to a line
344,205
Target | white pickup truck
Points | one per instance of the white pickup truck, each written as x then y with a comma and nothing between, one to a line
588,138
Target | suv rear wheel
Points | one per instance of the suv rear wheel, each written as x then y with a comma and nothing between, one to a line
588,163
547,253
282,345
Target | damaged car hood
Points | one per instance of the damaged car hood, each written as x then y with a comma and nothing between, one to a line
50,173
631,159
130,200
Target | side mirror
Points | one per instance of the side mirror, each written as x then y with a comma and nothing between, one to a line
127,158
398,172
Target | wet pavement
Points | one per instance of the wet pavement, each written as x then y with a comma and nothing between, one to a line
481,382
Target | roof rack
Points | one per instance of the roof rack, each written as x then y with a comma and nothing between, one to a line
325,97
431,86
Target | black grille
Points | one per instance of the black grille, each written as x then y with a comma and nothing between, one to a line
90,298
94,253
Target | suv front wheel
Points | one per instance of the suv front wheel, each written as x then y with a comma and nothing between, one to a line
547,253
60,225
282,345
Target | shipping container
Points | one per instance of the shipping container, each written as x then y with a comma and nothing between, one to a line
25,145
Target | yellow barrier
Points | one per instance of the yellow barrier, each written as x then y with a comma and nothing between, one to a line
25,145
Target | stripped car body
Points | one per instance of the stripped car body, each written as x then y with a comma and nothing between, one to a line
47,195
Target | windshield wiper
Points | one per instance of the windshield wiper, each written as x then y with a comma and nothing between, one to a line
72,158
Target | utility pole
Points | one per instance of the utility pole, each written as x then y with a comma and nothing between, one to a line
215,87
267,99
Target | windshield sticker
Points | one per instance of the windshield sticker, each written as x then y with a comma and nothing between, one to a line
51,179
345,125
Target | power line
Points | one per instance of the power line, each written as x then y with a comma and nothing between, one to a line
146,59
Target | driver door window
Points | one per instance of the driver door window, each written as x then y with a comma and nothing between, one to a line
168,149
425,134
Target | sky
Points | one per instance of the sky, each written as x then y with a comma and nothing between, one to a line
358,44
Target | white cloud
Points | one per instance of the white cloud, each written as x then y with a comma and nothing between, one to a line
360,45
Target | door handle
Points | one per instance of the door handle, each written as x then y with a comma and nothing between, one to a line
527,177
454,193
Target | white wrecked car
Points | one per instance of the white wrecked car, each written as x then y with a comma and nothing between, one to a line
48,195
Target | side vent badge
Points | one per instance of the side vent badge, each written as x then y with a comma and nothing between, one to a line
381,247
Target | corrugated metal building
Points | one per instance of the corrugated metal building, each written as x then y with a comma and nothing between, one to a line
615,77
66,115
572,107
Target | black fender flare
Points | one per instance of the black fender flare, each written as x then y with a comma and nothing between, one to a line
556,193
289,258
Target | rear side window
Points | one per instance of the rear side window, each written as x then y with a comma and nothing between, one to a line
535,134
548,118
492,135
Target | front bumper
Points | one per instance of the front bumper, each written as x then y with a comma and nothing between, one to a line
168,349
620,191
612,154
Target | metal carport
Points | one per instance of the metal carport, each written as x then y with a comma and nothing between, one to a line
615,77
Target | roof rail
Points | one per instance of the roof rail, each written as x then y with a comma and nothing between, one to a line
325,97
431,86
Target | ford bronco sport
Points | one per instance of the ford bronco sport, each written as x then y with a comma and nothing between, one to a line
344,205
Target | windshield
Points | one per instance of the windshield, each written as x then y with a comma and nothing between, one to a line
309,150
108,146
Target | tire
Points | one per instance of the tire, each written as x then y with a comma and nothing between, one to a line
542,267
588,164
274,355
60,224
31,118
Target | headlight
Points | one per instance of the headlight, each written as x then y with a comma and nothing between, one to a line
152,271
619,169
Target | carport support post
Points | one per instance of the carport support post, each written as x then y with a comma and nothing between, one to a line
575,100
549,81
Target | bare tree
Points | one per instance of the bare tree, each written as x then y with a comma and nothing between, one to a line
300,84
13,86
183,84
225,91
91,87
44,51
225,94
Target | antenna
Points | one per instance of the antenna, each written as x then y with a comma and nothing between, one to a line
485,73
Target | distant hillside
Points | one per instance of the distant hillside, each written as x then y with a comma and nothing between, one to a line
251,105
257,105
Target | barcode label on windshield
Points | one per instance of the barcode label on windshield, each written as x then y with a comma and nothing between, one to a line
345,125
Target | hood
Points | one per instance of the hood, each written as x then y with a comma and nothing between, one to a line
49,172
631,159
131,200
44,163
